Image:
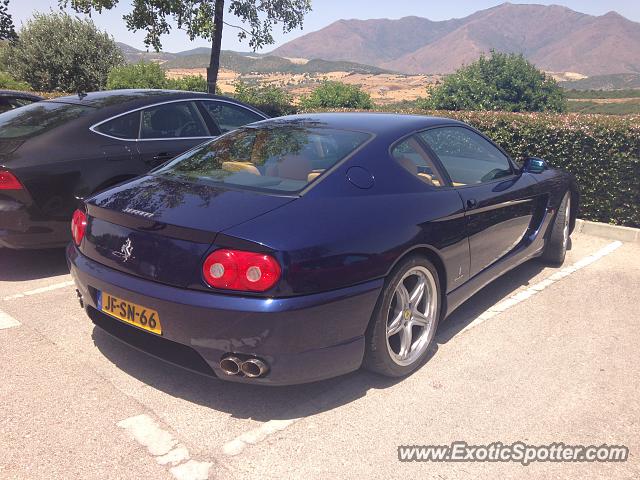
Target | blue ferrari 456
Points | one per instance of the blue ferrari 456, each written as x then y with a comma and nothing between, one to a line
305,247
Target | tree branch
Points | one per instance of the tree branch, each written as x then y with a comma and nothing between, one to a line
238,27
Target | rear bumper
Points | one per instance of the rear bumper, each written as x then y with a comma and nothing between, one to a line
303,339
21,226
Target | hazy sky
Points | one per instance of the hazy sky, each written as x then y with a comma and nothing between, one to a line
324,12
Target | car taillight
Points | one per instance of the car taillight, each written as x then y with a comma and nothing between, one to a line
78,226
8,181
238,270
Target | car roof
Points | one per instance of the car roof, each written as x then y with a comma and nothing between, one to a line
109,103
127,97
18,94
377,123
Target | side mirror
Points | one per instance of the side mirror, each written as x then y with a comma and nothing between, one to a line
534,165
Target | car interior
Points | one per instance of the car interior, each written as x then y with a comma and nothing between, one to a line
288,161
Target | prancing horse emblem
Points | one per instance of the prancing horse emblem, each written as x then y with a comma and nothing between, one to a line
125,251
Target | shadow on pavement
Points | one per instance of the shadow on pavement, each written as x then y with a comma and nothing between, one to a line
243,401
500,289
24,265
268,403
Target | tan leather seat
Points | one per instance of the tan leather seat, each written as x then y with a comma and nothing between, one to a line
314,174
429,179
235,167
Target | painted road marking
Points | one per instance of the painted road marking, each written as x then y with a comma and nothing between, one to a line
540,286
257,435
7,321
55,286
237,445
165,448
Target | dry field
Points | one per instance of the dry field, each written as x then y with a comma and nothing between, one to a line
383,88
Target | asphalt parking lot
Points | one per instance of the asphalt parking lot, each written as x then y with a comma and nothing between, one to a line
541,355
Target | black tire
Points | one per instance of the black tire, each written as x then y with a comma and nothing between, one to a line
556,247
379,354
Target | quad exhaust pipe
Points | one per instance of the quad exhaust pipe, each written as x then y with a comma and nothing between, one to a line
254,368
251,367
231,365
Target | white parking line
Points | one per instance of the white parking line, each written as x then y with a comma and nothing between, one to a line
165,448
237,445
540,286
7,321
49,288
257,435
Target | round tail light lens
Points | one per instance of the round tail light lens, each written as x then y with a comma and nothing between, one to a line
8,181
78,226
242,271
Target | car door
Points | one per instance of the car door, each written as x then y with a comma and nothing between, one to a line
118,137
499,202
439,209
169,129
229,116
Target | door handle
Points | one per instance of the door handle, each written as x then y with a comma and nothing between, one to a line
472,203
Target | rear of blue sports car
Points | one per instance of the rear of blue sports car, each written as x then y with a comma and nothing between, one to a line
165,263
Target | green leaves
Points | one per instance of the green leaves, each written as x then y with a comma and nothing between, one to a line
7,29
138,75
195,17
151,75
7,81
204,19
261,16
506,82
270,99
60,53
603,152
332,94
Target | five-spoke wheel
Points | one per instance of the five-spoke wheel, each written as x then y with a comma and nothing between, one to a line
405,319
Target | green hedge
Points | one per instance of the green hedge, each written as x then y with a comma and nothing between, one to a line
602,151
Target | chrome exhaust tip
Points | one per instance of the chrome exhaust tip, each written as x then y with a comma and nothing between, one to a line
230,365
254,368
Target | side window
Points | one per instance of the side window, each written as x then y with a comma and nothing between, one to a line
229,116
125,127
467,157
413,158
173,120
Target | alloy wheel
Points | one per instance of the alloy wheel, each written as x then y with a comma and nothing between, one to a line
412,316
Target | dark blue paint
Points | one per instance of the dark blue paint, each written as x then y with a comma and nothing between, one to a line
336,243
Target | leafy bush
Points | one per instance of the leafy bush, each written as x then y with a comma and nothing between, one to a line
332,94
503,81
192,83
7,81
269,99
151,75
60,53
602,151
137,75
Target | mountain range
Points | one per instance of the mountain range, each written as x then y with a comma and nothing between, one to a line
241,62
553,37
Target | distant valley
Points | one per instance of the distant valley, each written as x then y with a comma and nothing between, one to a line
398,60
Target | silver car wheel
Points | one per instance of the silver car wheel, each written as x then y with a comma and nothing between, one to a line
411,316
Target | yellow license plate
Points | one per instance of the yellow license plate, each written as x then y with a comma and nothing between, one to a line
141,317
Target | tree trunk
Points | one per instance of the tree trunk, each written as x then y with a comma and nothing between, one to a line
216,46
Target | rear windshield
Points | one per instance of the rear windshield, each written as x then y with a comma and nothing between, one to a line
272,158
37,118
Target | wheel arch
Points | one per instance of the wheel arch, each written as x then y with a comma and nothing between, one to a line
575,207
434,257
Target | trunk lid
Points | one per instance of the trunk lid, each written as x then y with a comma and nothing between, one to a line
160,228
